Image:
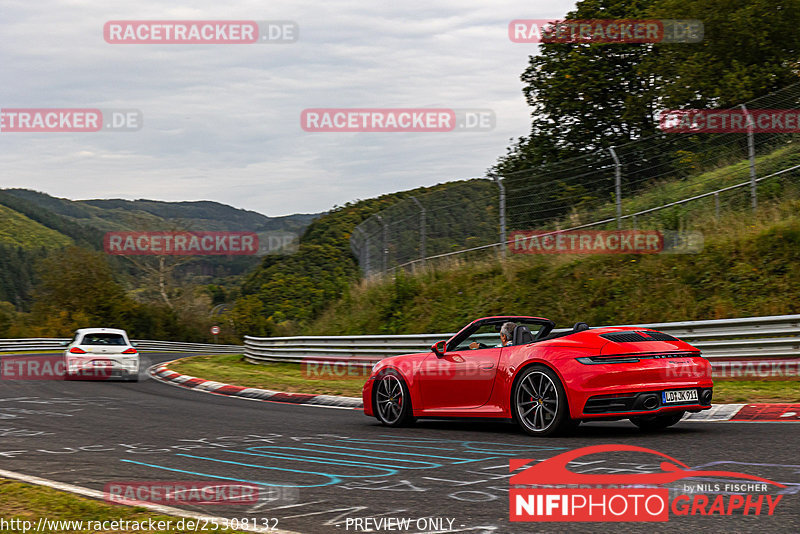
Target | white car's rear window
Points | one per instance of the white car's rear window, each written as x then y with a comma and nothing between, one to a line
103,339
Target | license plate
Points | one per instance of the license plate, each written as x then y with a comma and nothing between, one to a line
679,395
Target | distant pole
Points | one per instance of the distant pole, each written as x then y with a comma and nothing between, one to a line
502,188
751,152
617,186
384,244
363,259
422,253
366,254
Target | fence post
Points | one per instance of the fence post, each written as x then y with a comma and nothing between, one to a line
502,216
422,253
384,244
363,252
716,205
617,186
751,153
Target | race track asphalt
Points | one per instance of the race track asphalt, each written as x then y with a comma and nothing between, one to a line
327,467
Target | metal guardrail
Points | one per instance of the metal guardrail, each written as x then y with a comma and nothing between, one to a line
57,344
745,338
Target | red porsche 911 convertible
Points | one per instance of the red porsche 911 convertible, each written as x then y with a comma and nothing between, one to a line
516,368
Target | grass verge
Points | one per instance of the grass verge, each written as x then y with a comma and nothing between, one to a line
738,391
288,377
232,369
20,502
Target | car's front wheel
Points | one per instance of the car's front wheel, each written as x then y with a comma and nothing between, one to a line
539,403
657,422
391,400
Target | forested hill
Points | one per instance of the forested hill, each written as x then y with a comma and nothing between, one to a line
33,225
285,292
118,214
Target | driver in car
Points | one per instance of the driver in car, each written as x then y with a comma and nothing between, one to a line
506,333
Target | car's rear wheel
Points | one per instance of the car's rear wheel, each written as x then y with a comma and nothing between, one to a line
657,422
391,400
539,403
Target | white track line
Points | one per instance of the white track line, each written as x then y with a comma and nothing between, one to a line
99,495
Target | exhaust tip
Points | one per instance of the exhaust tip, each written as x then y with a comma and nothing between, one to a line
650,402
707,395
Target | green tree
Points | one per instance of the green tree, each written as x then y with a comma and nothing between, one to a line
585,97
751,47
76,286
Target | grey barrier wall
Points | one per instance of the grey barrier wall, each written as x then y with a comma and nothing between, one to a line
776,337
39,343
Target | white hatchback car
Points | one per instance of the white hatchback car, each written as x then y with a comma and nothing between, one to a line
101,354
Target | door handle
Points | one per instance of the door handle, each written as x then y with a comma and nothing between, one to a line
487,367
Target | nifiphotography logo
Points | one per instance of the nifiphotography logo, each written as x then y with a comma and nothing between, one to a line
540,492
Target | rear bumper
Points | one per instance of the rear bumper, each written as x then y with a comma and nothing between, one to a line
97,367
642,403
625,389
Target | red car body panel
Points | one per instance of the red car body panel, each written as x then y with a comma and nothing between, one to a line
479,383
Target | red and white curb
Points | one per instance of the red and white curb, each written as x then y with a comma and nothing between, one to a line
762,412
164,374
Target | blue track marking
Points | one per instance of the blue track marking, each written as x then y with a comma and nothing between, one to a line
332,479
339,462
475,446
346,456
209,475
425,454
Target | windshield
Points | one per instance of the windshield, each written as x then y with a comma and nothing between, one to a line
487,333
103,339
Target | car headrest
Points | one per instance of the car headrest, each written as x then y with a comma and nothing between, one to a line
577,327
522,335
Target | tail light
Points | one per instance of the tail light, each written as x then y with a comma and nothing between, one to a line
77,350
129,351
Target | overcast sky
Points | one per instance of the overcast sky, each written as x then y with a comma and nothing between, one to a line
222,122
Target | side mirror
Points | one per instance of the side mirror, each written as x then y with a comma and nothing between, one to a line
134,344
63,343
439,348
